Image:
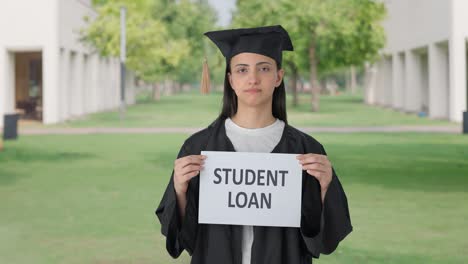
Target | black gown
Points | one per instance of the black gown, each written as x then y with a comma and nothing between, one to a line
322,227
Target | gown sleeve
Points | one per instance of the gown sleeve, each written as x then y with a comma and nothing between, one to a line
177,231
334,220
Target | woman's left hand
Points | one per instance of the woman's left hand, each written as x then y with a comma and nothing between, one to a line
319,167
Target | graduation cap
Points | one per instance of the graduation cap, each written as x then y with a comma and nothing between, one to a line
269,41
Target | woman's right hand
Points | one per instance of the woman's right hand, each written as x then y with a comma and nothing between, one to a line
186,168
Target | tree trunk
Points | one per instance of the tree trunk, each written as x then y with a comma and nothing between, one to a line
347,81
353,80
294,75
156,91
315,88
177,87
168,87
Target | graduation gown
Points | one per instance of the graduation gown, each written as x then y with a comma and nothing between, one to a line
322,226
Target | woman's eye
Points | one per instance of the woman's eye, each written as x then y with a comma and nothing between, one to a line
264,69
241,70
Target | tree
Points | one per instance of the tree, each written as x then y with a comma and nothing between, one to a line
165,37
329,34
151,51
187,20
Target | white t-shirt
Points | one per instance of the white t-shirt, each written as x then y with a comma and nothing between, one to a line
252,140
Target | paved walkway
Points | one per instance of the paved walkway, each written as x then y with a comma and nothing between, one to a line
154,130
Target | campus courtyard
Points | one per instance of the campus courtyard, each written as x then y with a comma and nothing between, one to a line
90,198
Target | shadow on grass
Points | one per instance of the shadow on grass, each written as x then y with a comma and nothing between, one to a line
420,167
8,176
329,105
21,154
16,157
354,255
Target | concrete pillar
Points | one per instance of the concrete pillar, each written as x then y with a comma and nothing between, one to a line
458,60
78,84
424,81
3,82
64,91
380,82
85,84
101,87
413,89
72,85
398,80
114,83
387,81
458,86
94,81
51,102
107,83
129,88
371,83
7,83
116,87
438,81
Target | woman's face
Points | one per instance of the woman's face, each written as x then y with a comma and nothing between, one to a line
254,78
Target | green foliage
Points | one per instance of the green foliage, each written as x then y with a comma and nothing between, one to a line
343,32
164,37
186,21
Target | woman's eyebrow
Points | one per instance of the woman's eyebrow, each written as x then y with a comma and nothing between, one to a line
258,63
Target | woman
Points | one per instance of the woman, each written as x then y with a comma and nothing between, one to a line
253,119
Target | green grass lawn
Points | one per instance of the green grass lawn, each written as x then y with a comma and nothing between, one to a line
91,198
195,110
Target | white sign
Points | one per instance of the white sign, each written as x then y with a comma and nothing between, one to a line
243,188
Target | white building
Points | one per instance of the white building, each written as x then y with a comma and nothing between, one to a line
45,71
424,64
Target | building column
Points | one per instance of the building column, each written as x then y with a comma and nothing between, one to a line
458,86
7,83
78,84
398,81
114,82
3,82
107,83
51,102
64,83
101,88
85,84
388,81
371,82
380,82
94,81
413,90
129,87
116,69
438,82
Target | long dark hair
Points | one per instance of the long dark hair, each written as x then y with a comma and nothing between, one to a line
229,107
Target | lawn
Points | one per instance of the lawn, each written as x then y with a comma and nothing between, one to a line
195,110
91,198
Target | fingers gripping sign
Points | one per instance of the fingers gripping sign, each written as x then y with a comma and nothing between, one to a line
186,168
318,166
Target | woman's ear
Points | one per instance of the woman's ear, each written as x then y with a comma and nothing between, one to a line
279,77
230,79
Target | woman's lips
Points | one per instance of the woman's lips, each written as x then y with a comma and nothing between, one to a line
252,90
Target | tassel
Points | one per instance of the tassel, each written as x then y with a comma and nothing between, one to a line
205,81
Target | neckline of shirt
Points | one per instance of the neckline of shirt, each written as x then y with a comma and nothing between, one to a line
253,131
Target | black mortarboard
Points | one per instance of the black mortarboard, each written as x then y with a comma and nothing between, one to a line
269,41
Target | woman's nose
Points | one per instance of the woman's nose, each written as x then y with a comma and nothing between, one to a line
253,77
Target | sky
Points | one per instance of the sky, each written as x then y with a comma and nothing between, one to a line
223,8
